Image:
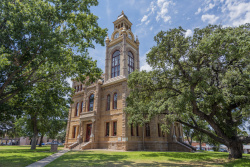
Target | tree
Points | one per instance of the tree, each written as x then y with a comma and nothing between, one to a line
45,110
41,39
205,76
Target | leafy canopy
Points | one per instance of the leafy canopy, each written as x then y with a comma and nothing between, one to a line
44,39
203,77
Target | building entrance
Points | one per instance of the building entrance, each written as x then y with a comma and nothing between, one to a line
88,132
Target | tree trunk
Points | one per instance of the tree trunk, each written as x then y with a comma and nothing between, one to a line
235,150
35,132
41,140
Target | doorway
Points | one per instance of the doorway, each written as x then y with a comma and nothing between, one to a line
88,132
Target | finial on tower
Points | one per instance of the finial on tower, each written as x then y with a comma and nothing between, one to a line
107,38
122,13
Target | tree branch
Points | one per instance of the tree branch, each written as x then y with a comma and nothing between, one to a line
221,140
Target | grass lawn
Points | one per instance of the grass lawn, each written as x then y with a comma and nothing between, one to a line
20,156
113,158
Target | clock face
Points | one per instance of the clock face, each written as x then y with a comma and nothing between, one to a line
116,35
130,36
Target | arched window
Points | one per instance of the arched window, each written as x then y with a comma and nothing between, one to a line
77,107
115,70
91,102
130,62
108,102
82,106
115,101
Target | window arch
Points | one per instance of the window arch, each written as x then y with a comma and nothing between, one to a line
115,70
115,101
81,106
77,107
130,62
91,102
108,103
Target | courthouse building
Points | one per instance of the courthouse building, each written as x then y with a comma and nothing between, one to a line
97,119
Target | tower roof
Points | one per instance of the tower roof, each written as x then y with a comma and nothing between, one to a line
122,15
122,21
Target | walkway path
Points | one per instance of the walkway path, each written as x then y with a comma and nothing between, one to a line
48,159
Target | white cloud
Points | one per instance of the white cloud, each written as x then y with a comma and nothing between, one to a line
151,28
146,67
144,64
145,17
209,18
188,33
147,22
152,7
209,6
162,14
199,10
238,11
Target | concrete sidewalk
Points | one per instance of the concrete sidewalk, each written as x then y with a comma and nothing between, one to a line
48,159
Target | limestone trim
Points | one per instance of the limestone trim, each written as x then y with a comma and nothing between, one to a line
114,81
131,43
89,93
132,35
113,34
116,41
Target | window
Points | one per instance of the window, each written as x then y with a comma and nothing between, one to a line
91,102
115,70
108,102
77,107
130,62
74,132
147,129
77,88
81,106
114,128
81,88
132,130
107,129
137,130
115,101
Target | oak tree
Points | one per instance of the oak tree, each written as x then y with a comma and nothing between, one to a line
206,76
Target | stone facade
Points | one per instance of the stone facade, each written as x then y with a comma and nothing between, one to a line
103,125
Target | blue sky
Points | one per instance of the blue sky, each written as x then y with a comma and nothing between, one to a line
151,16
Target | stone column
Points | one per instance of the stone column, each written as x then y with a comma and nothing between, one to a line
107,75
79,138
174,136
138,55
124,117
180,132
68,124
123,61
84,100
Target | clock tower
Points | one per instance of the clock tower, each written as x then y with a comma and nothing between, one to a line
122,50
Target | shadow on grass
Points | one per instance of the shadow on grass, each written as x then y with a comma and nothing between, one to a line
21,156
89,158
133,159
204,156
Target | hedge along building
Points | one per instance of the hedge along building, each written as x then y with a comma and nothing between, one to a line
97,118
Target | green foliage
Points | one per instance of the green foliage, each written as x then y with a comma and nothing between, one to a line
41,40
45,109
206,76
